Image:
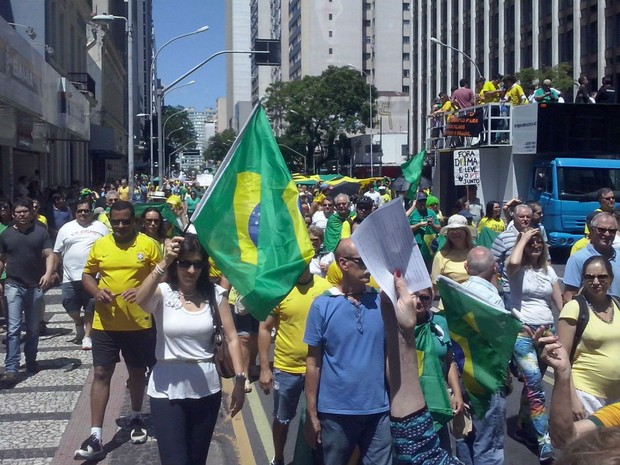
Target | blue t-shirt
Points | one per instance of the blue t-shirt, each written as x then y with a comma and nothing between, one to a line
353,363
574,269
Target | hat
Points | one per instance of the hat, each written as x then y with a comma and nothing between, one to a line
382,188
174,201
432,200
421,196
456,221
466,214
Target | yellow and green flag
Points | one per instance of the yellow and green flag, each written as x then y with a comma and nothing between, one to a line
486,334
249,220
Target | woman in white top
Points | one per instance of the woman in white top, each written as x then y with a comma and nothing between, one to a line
184,386
534,285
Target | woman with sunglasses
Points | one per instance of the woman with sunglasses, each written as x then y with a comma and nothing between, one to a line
442,344
534,286
595,361
152,224
184,386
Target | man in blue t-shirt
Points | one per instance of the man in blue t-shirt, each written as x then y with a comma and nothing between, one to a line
347,400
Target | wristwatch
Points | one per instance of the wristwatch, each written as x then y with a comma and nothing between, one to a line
240,377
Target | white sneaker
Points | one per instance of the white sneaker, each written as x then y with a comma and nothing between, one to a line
87,343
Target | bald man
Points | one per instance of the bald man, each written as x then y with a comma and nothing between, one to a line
347,400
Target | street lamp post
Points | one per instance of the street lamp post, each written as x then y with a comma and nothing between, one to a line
179,79
153,95
174,152
162,135
439,42
106,19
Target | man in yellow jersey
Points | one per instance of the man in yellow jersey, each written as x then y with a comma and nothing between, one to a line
289,360
492,92
123,260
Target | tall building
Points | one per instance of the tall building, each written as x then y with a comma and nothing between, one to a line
506,36
238,65
204,125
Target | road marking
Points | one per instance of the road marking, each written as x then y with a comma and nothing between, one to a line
241,433
262,422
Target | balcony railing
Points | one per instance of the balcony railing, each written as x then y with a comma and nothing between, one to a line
481,125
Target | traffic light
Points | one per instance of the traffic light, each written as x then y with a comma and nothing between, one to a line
267,45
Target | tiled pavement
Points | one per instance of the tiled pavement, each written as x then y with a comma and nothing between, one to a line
46,416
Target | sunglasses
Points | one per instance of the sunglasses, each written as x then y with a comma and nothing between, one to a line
84,212
425,298
602,231
121,222
592,277
185,264
151,220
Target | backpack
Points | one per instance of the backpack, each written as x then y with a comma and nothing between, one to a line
582,320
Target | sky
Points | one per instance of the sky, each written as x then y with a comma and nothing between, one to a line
172,18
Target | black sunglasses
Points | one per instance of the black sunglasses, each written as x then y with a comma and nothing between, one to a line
121,222
185,264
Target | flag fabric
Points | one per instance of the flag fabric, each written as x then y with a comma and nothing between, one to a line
431,376
412,171
166,213
486,334
250,223
486,237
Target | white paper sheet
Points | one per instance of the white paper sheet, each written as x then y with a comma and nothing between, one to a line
386,244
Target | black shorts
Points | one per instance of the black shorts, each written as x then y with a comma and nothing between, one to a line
137,347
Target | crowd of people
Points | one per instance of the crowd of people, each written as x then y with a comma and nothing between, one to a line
138,286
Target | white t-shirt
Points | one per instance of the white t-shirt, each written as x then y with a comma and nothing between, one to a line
184,349
531,294
319,220
375,196
322,260
74,243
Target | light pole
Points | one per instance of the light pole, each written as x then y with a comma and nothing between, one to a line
154,106
170,156
107,19
296,152
439,42
179,79
163,138
369,76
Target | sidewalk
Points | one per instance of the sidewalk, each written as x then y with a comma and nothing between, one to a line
46,416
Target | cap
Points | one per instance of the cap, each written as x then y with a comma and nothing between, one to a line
382,188
174,200
421,196
456,221
432,200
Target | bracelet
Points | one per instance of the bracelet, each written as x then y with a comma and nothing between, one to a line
159,270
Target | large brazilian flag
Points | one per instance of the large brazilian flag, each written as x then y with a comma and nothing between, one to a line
486,334
249,220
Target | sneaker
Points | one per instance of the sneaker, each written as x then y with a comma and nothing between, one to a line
91,449
138,433
545,453
87,343
9,378
33,367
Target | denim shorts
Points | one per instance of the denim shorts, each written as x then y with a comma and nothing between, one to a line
75,298
287,388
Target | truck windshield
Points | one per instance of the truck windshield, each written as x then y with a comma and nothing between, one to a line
581,183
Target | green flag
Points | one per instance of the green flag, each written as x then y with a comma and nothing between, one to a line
165,211
250,223
486,334
486,237
431,376
412,171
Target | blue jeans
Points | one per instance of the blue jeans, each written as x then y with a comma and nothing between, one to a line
341,433
287,388
527,356
26,300
485,446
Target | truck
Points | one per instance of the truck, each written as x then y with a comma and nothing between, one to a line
557,154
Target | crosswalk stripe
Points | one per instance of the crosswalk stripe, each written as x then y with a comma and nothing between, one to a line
262,423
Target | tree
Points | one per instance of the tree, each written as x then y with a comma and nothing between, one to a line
317,112
561,75
179,129
219,144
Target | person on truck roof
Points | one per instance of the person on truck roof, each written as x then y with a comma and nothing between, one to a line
546,94
514,92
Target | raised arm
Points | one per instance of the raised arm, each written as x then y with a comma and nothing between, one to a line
148,288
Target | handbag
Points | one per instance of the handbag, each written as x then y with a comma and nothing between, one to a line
222,358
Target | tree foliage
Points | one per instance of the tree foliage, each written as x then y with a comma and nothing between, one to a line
179,129
219,144
561,75
314,113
